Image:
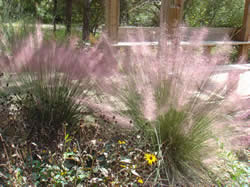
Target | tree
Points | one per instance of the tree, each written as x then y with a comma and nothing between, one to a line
140,12
55,15
68,15
92,16
86,20
214,13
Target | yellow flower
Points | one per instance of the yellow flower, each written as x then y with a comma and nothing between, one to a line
63,173
121,142
150,158
139,180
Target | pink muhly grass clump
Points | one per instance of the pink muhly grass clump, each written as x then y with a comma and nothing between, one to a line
35,54
52,80
186,72
172,92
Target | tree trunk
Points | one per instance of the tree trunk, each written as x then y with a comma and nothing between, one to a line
68,15
55,15
86,20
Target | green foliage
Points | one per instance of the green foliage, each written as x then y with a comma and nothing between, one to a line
96,16
223,13
111,159
44,11
12,33
140,13
213,13
15,9
231,171
14,25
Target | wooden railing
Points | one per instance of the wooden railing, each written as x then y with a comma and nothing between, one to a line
170,19
150,36
127,34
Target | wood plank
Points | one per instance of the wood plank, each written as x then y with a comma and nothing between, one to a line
128,34
208,34
182,43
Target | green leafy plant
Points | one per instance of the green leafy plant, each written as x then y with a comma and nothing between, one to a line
230,170
103,155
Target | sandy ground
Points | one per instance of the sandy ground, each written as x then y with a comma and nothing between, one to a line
243,87
242,128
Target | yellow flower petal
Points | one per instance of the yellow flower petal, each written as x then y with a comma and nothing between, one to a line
63,173
121,142
150,158
139,180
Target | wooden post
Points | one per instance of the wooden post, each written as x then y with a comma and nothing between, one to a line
170,18
245,31
112,15
207,50
171,14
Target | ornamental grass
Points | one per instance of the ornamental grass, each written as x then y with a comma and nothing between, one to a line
170,96
48,83
137,118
